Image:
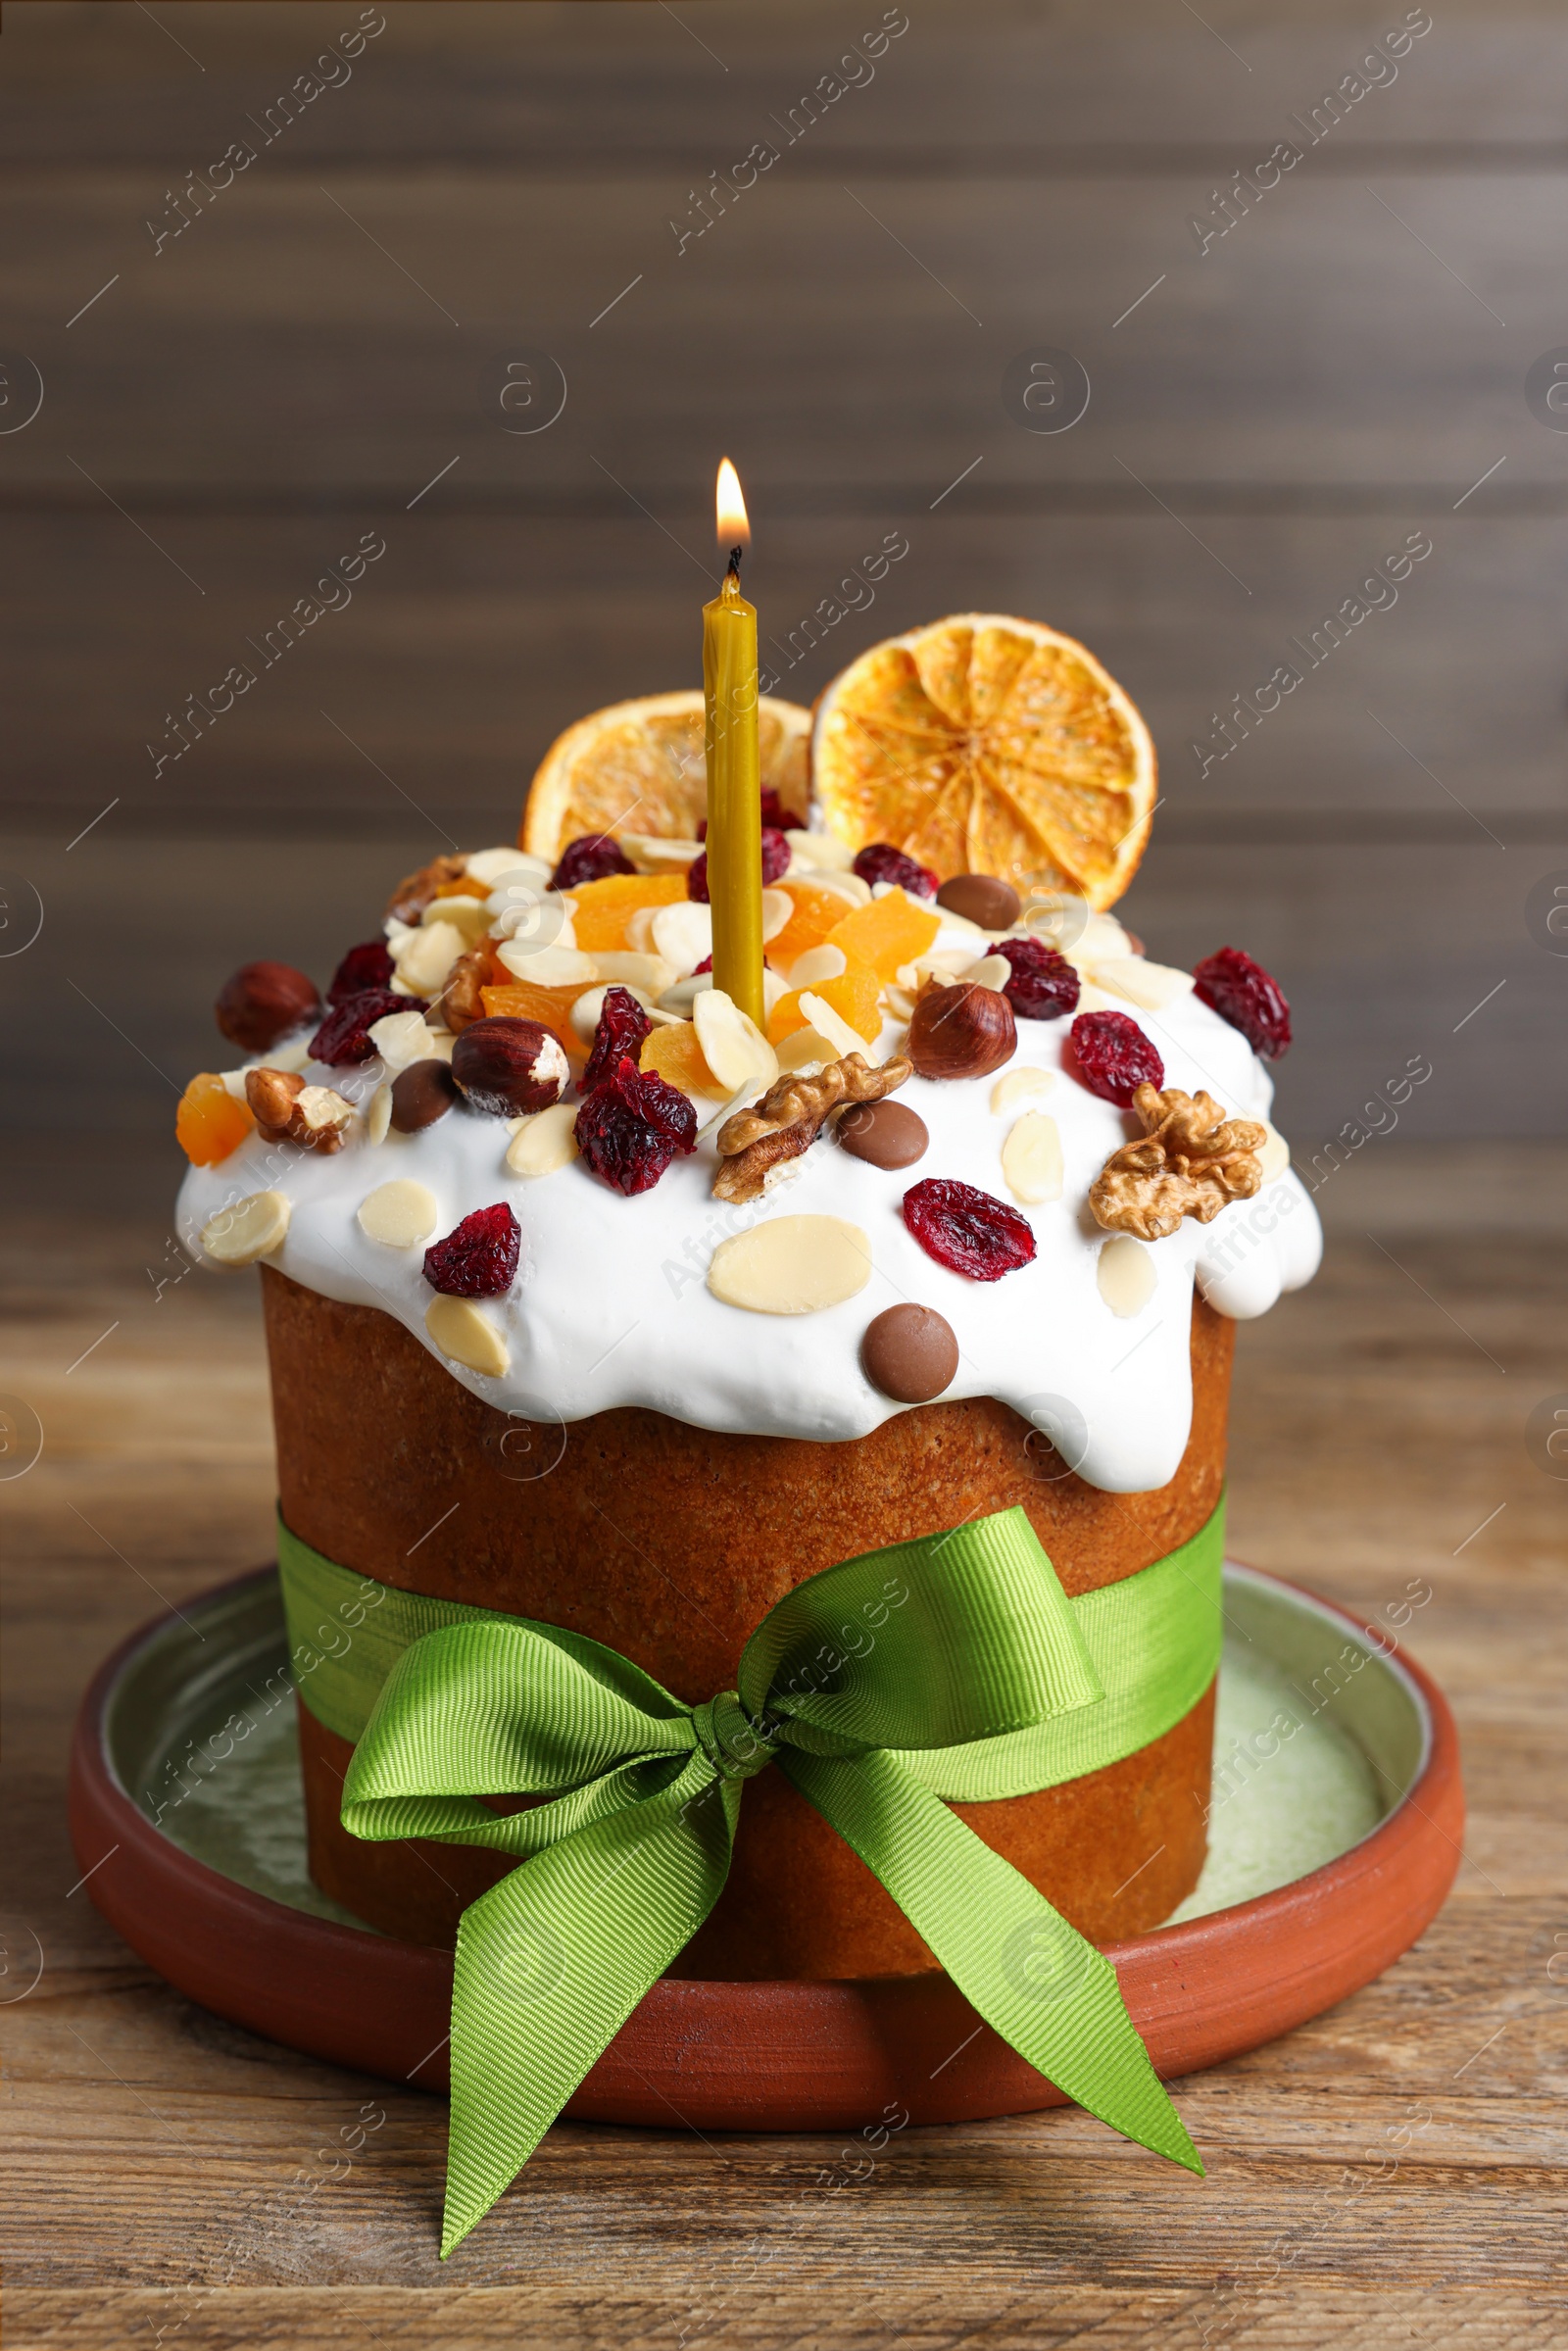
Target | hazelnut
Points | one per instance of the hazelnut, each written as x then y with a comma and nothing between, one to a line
506,1066
287,1111
961,1032
270,1096
263,1002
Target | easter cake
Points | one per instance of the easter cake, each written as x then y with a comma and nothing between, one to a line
593,1301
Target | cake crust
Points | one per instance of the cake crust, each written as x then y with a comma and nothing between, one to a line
667,1541
670,1544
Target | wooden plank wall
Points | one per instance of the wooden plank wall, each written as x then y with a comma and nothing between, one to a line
1269,417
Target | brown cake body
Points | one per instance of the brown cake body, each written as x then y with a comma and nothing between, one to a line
670,1544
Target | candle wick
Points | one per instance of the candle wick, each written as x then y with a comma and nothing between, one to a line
734,571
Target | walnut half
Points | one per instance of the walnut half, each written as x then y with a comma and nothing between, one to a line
462,1001
1191,1161
791,1115
417,891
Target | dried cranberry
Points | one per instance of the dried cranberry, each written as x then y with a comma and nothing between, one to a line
706,965
591,857
345,1034
1242,993
967,1230
782,818
776,854
631,1126
1044,985
479,1257
366,966
622,1025
882,863
1114,1058
775,818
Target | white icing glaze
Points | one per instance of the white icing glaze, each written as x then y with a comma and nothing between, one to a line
611,1308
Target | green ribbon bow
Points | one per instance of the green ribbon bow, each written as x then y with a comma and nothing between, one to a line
844,1686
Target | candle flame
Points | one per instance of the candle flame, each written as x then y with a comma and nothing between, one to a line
733,528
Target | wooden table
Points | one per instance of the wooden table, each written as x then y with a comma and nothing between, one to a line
1391,2175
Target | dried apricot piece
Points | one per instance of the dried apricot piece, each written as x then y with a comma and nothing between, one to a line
210,1123
816,910
550,1007
854,995
674,1054
605,906
892,930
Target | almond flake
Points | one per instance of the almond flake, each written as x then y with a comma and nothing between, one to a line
992,972
778,912
252,1228
401,1037
811,853
470,916
1015,1085
654,975
379,1116
683,934
1031,1159
805,1052
818,964
733,1045
466,1336
1275,1157
548,966
651,854
838,1032
1150,985
792,1265
544,1142
399,1214
1125,1273
424,957
490,867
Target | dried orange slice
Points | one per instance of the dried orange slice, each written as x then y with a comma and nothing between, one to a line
639,767
985,745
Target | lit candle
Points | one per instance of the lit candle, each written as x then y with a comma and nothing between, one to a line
734,774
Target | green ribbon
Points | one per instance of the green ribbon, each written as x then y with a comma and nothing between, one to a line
951,1667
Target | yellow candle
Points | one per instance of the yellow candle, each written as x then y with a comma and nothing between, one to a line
734,774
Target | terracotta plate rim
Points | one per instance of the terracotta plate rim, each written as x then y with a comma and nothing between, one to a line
779,2055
